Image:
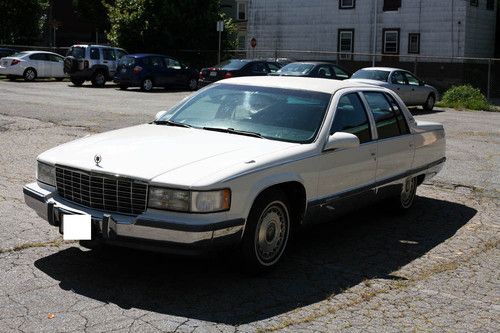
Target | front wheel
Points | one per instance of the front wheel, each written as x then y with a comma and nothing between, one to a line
429,103
192,84
267,232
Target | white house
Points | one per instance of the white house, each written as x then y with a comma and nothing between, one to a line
444,28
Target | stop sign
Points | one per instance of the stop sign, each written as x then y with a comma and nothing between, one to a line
253,42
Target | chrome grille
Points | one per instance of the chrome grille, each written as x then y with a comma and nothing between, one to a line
103,192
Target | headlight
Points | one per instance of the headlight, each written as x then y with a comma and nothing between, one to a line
46,174
189,201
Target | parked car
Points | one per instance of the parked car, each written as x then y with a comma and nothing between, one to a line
235,68
411,89
33,64
152,70
5,52
96,63
243,162
281,61
319,69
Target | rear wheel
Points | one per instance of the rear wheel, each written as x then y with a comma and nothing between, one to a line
98,79
266,233
147,85
429,103
29,74
192,84
404,200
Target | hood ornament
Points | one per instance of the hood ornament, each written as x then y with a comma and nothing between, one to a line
97,159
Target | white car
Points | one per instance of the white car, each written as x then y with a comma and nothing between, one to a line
243,162
33,64
412,90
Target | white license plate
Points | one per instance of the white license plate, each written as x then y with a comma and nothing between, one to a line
213,73
76,227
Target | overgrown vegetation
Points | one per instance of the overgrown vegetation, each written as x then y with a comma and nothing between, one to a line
465,97
22,22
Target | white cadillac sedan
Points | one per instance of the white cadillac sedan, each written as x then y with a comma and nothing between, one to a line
243,163
33,64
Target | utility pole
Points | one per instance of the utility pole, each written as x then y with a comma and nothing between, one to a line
375,26
220,28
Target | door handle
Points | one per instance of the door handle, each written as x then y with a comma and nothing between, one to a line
373,155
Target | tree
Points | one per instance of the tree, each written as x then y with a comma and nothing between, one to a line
22,22
167,26
93,11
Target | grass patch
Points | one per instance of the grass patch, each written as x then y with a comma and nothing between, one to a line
465,97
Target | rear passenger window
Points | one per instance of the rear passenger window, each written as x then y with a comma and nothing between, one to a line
403,126
94,53
258,67
350,117
108,54
385,118
39,56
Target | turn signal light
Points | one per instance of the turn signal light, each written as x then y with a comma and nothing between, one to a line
137,69
15,62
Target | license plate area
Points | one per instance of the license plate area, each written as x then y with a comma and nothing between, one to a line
213,74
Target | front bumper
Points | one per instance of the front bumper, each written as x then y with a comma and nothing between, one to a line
147,231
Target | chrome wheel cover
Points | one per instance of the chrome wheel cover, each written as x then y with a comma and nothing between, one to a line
271,234
30,74
147,84
408,192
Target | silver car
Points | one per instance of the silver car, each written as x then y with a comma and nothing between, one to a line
412,90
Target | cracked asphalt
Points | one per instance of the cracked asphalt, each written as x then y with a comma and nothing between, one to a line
434,269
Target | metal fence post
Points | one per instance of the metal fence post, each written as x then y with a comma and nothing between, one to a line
489,79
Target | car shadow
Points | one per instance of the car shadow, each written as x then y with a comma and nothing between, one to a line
157,90
89,85
420,111
324,261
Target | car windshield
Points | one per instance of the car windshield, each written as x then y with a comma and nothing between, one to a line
127,61
19,54
233,64
272,113
296,69
76,51
371,74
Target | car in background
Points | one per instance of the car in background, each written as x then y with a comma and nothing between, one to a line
318,69
5,52
411,89
237,67
154,70
33,64
96,63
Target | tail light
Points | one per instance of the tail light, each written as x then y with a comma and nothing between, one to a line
201,76
137,69
86,64
15,62
228,75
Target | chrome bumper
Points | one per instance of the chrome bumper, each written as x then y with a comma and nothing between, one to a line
151,228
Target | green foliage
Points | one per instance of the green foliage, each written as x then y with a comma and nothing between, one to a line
465,97
93,11
22,22
164,25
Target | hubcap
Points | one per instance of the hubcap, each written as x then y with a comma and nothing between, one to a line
271,233
193,84
408,192
30,74
99,79
148,84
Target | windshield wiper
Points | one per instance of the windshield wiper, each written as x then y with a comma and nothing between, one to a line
171,123
233,131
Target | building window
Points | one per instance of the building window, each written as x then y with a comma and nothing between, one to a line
490,4
391,41
242,11
242,41
414,43
391,5
347,4
474,3
345,43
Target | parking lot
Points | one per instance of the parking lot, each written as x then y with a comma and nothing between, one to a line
436,268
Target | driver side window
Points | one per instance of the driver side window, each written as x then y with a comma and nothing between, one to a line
398,78
351,117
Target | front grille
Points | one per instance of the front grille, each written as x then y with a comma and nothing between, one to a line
103,192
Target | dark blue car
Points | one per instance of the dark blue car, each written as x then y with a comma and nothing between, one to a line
154,70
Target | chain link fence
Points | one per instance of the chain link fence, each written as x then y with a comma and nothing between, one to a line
441,72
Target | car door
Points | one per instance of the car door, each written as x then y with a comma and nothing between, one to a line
272,67
56,65
159,72
40,63
398,83
109,59
177,72
394,140
419,92
345,172
257,68
323,71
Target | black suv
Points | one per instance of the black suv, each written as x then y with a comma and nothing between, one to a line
96,63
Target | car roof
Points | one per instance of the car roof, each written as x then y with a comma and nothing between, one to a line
312,63
35,51
328,86
96,45
140,55
389,69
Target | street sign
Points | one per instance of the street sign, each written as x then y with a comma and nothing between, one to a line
220,26
253,42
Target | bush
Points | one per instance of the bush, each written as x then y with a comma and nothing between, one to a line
465,97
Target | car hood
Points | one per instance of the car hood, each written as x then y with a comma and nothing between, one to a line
152,151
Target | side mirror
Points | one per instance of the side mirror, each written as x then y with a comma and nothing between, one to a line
342,140
160,114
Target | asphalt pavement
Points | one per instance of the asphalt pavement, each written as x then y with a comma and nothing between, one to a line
436,268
